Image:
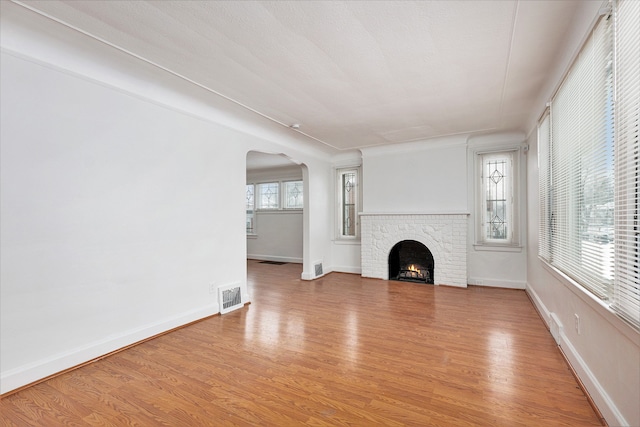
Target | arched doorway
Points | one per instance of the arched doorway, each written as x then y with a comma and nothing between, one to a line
276,214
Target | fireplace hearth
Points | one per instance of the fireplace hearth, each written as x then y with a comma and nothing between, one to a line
411,261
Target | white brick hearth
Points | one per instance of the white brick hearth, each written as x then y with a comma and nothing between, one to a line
444,234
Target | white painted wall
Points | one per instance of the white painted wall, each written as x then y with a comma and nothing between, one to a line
278,238
279,233
422,177
419,177
122,198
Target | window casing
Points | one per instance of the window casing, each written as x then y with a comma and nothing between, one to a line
268,195
588,167
293,194
496,198
349,203
250,208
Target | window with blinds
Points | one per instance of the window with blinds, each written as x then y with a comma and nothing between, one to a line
544,187
588,165
626,290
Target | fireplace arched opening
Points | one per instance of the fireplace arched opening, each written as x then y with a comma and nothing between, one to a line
411,261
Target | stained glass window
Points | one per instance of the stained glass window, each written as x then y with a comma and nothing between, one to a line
250,204
293,191
269,195
349,197
497,217
496,222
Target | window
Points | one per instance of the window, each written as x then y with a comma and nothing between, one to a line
269,195
250,206
588,167
497,217
349,196
626,290
293,195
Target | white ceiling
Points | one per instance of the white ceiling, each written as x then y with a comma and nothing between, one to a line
351,73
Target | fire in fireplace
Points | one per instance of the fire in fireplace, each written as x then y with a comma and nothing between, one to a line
411,261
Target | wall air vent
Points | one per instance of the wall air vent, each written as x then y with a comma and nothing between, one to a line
319,269
229,298
555,327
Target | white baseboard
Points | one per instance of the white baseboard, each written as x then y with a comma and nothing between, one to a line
346,269
32,372
600,397
275,258
509,284
542,309
605,405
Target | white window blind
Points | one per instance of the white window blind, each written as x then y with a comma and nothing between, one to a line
582,166
546,195
626,294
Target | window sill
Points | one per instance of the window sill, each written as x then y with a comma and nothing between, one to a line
252,236
343,241
496,248
278,211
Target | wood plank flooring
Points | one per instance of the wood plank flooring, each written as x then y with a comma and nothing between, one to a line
337,351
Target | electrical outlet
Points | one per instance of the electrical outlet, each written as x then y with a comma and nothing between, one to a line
576,319
212,288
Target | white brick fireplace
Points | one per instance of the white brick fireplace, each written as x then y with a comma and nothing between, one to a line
445,234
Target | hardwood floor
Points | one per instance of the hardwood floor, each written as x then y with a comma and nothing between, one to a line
341,350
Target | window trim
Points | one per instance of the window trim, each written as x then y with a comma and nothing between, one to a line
340,172
257,196
480,242
283,191
253,231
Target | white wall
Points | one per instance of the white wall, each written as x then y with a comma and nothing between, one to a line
278,234
122,198
421,177
278,237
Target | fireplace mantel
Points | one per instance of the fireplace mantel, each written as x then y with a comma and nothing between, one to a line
444,233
